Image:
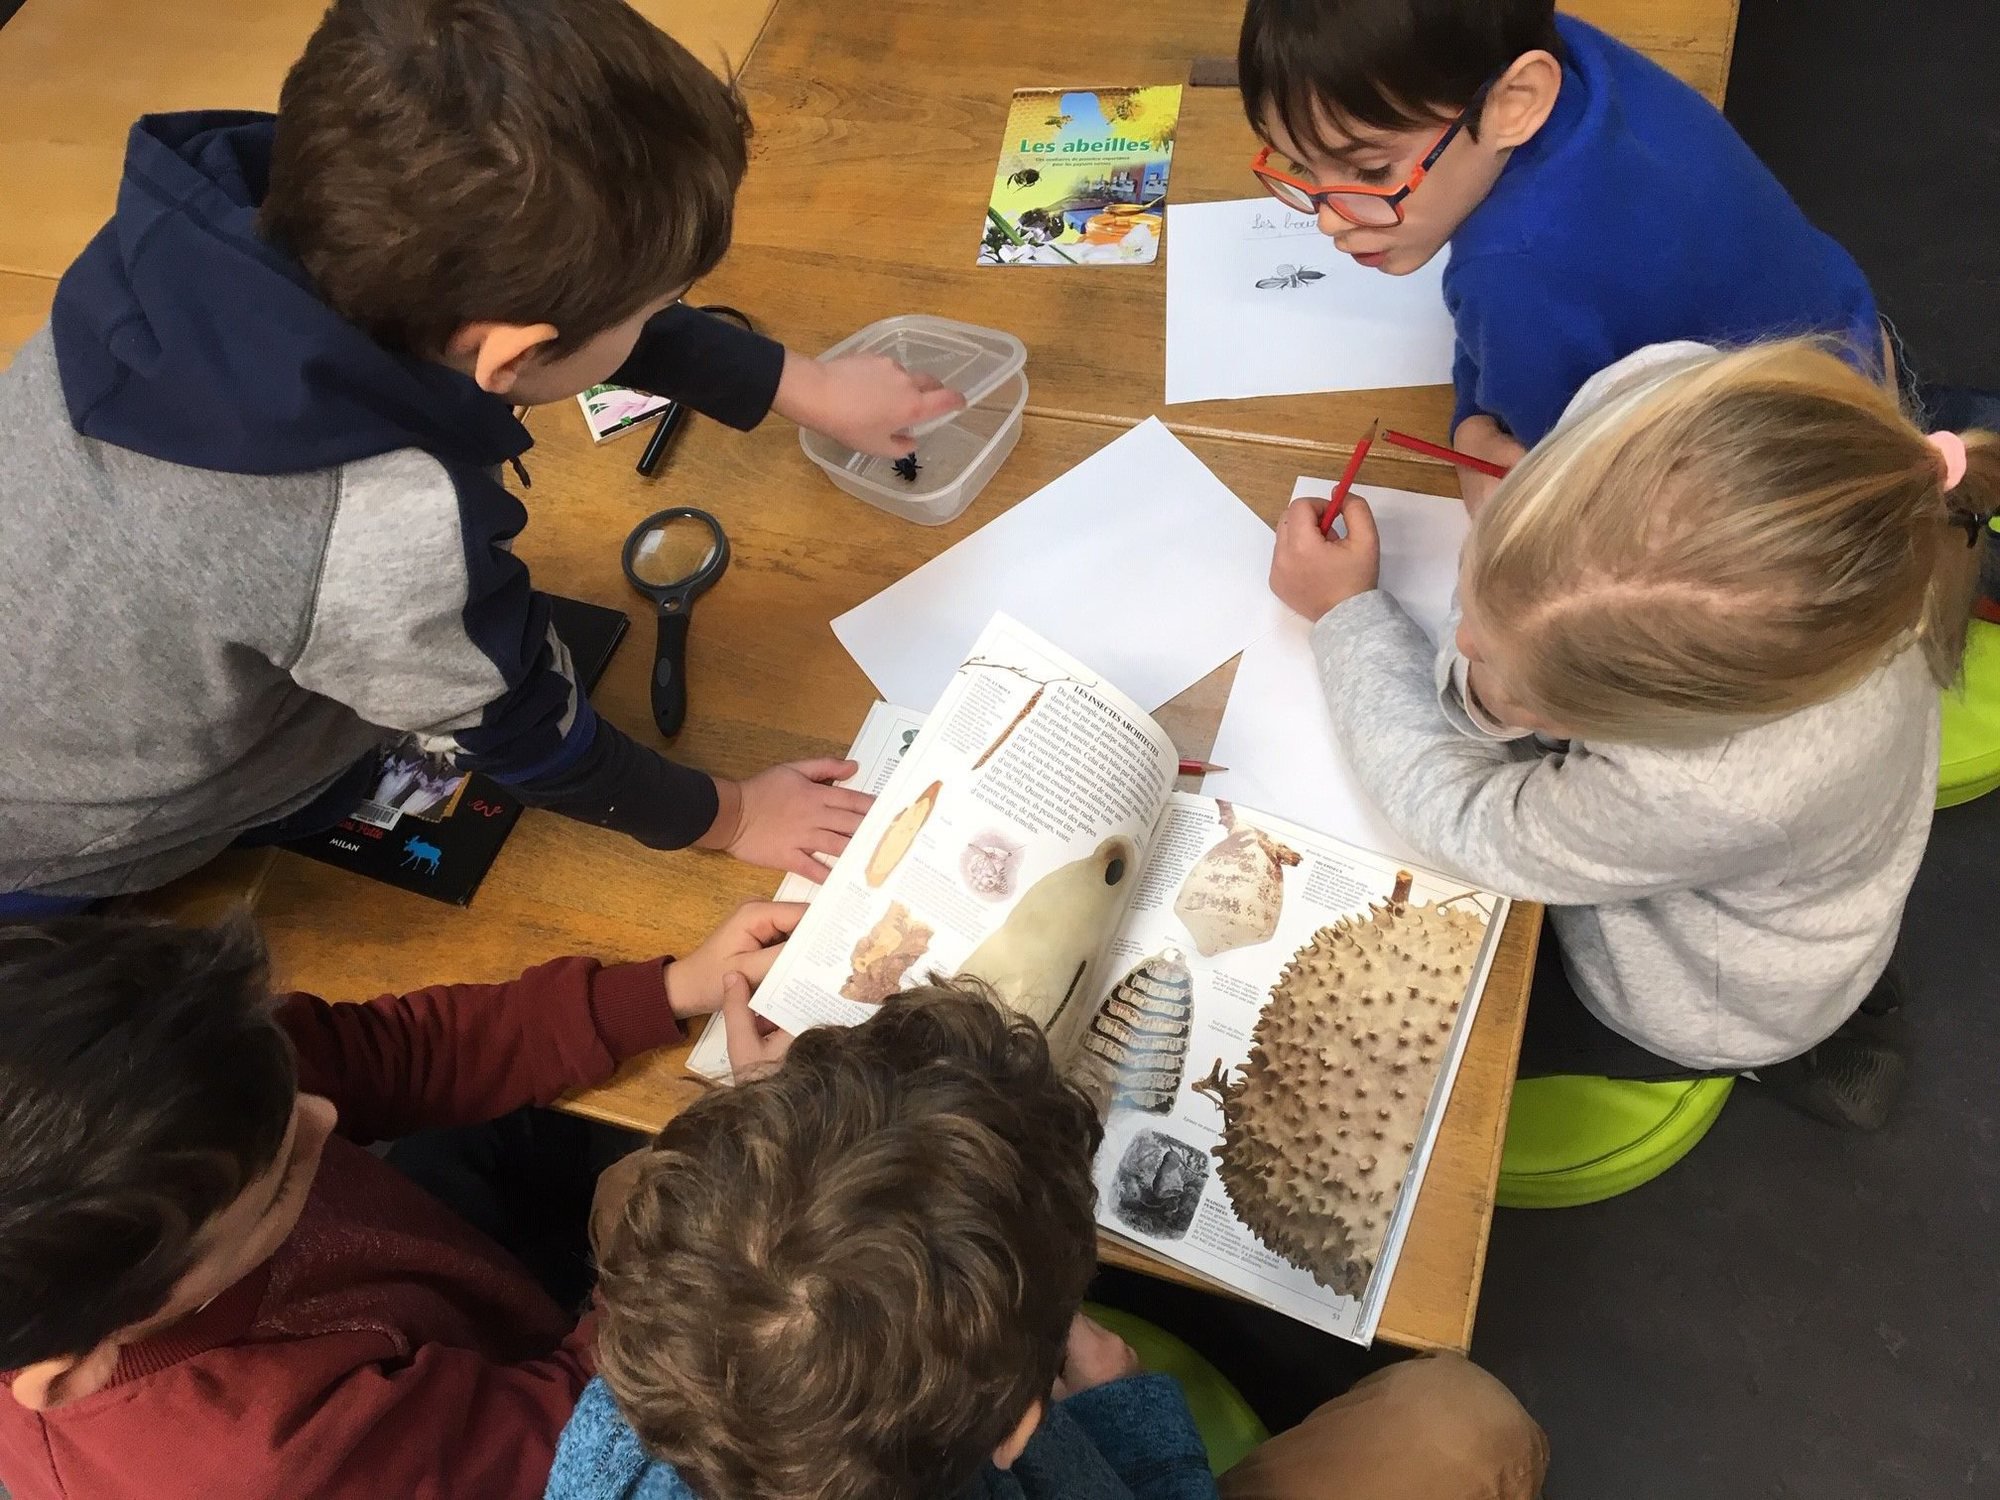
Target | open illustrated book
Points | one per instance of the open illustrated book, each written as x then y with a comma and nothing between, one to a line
1270,1019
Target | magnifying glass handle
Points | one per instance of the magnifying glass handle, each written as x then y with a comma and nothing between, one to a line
670,698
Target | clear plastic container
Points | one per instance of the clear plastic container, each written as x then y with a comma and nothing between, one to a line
956,455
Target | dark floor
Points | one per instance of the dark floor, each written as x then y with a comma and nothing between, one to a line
1883,120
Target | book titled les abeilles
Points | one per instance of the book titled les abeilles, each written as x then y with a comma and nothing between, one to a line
1082,177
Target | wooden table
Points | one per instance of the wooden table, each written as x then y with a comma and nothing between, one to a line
862,111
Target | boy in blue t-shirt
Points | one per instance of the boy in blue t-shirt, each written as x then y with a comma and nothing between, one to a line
1593,203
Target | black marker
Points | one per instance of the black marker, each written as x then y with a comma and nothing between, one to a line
671,421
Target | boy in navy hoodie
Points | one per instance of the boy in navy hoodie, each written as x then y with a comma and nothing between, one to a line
1593,203
859,1278
254,529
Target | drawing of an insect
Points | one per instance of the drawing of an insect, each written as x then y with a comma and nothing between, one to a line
1057,120
1290,275
1124,109
1026,177
907,468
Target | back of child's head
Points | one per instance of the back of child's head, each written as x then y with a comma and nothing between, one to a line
1724,538
445,162
1378,64
143,1086
852,1278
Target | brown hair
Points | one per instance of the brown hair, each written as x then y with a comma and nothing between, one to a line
441,162
850,1279
1380,64
1726,537
144,1084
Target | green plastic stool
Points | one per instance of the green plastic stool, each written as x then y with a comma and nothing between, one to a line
1227,1425
1969,757
1573,1140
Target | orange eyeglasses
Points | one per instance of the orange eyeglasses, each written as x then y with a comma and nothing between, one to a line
1374,207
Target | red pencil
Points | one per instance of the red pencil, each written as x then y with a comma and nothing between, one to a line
1438,450
1199,767
1347,480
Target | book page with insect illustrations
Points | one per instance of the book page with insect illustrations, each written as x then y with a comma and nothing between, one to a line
1273,1037
1005,846
1260,303
885,737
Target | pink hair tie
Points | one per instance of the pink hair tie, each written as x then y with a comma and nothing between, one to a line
1952,446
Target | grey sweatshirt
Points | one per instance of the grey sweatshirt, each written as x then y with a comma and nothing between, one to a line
1724,905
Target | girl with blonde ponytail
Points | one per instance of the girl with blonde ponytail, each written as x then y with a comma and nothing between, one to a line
1689,702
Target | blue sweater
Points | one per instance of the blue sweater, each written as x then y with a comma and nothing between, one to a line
1132,1439
1635,216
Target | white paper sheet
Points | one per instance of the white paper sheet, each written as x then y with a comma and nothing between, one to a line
1276,734
1351,329
1138,560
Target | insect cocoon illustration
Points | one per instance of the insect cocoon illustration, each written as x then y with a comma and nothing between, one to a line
1135,1049
1235,893
900,834
1319,1129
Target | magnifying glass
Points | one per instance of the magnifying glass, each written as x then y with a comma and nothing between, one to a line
673,557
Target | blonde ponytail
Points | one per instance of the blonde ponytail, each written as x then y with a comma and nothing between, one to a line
1725,538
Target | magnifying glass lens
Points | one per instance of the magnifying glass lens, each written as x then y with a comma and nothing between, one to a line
673,552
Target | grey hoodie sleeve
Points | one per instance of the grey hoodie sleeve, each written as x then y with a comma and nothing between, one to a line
1595,825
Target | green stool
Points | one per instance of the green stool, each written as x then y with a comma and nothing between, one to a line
1969,758
1227,1425
1574,1140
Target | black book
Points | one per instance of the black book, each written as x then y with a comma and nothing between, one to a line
427,828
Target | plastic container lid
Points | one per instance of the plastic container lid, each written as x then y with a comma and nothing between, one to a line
973,361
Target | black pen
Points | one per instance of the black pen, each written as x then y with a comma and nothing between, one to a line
671,421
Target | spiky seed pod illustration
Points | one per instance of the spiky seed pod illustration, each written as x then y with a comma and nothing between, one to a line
1133,1054
1319,1129
1234,894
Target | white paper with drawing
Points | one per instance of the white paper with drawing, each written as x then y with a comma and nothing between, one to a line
1031,838
1260,303
1276,734
1138,560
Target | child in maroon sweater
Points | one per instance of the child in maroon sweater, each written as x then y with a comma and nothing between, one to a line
208,1287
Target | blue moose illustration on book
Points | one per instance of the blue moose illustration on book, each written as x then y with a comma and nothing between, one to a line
422,856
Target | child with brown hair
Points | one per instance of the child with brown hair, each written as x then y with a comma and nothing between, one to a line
858,1277
210,1285
1690,703
255,529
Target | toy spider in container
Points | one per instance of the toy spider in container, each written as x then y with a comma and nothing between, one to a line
907,468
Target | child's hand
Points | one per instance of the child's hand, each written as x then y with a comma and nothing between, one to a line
746,943
862,400
1482,438
782,817
1312,573
755,1046
1093,1356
